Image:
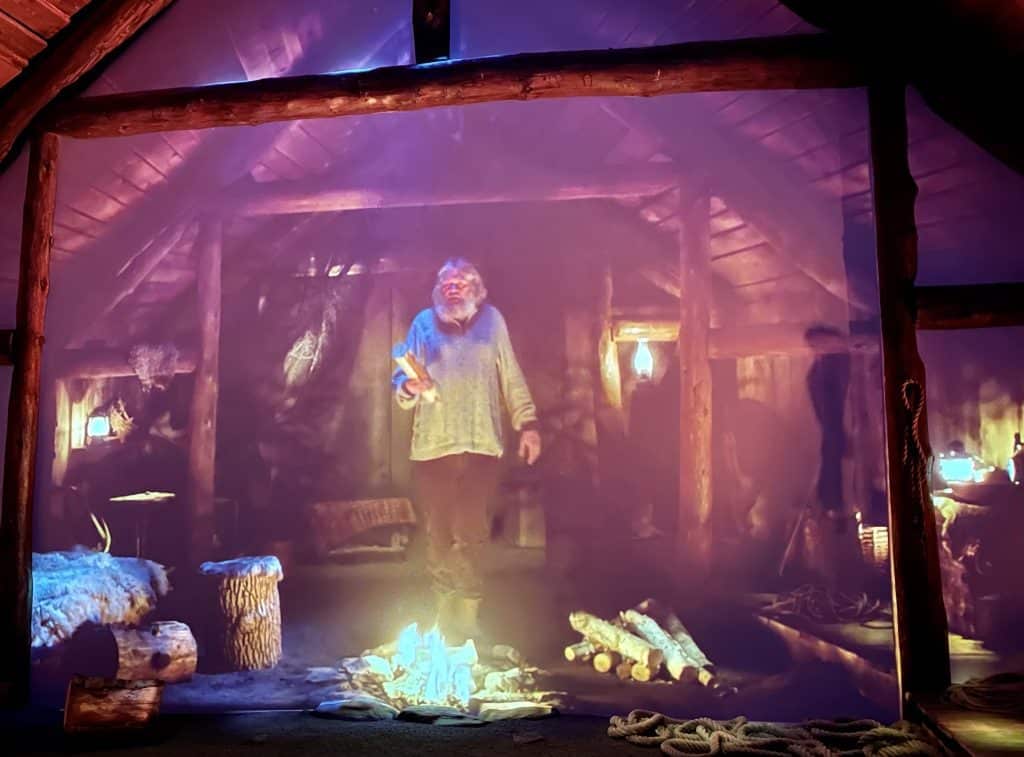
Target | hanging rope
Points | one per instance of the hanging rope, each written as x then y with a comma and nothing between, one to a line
916,453
1002,694
813,738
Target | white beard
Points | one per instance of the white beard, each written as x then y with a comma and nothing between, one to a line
454,312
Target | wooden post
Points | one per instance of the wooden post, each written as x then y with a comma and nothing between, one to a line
203,416
431,29
694,526
23,421
919,617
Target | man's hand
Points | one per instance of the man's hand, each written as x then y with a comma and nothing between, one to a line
529,446
416,387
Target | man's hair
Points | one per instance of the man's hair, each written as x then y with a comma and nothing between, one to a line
477,291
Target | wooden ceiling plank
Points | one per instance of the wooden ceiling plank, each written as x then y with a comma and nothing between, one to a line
89,40
38,15
18,39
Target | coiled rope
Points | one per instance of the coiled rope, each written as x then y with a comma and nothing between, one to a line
1001,694
813,738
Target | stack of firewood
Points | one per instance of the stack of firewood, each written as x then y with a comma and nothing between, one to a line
643,644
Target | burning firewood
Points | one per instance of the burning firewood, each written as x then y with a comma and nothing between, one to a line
604,634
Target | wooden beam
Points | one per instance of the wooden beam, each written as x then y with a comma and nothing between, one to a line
746,341
919,617
789,62
101,29
300,197
96,304
694,524
431,30
974,306
92,364
23,421
203,412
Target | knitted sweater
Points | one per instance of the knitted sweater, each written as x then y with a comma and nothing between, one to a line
474,367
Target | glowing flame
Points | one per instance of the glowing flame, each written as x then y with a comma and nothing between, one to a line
643,360
429,672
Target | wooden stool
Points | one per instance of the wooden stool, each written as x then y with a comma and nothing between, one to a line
248,634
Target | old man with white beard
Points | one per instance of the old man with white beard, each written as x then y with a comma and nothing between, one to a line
457,442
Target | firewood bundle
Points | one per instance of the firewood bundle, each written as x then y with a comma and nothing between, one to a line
643,644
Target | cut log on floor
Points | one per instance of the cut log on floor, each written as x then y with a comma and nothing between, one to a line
679,666
611,637
249,632
641,673
580,652
624,670
671,623
161,652
604,662
106,704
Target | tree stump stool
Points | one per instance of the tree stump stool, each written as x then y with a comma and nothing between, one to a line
248,631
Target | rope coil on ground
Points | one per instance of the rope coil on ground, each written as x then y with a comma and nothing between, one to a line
813,738
1002,694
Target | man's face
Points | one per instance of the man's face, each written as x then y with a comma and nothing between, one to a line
454,288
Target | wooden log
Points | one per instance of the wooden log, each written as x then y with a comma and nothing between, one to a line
581,651
604,634
431,29
102,704
677,663
974,306
102,28
164,651
317,196
624,670
202,424
694,535
604,662
789,62
675,628
23,420
88,363
248,634
919,617
641,673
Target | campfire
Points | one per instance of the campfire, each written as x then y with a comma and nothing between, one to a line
420,670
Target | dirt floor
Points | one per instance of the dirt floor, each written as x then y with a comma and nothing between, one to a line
337,610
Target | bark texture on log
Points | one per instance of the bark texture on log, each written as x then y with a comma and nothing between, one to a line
248,636
103,704
23,420
676,661
788,62
580,652
611,637
671,623
164,651
102,29
919,617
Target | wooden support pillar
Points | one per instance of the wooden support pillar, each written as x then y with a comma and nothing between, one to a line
431,29
919,618
23,422
203,414
694,525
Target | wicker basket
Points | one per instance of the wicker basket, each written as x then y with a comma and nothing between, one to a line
874,546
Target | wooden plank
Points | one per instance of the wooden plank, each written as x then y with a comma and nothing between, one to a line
919,617
23,421
70,6
974,306
40,16
431,30
20,42
8,70
107,363
790,62
99,31
695,538
300,197
976,733
203,412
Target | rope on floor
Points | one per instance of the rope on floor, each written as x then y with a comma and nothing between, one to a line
813,738
825,606
1001,694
